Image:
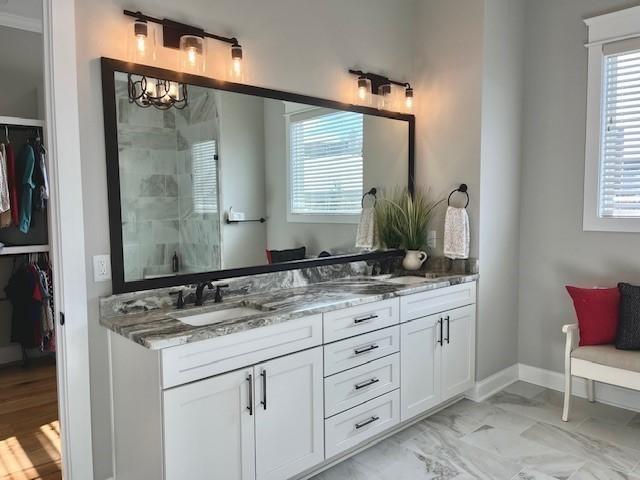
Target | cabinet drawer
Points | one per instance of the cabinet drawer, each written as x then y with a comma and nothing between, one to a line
352,352
358,385
352,321
194,361
435,301
354,426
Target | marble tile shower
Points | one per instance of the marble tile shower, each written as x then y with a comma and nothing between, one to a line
515,435
162,215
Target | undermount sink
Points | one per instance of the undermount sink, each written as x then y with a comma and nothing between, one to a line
403,280
216,316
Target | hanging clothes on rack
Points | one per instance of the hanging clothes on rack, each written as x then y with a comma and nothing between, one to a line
30,294
40,176
4,186
7,217
27,163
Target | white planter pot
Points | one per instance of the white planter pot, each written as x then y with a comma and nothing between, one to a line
413,259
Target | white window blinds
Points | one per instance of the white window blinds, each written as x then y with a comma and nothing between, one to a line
204,169
620,154
326,163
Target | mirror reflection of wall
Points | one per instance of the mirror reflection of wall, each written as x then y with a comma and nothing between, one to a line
300,167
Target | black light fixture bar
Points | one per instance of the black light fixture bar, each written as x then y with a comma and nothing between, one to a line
378,81
172,30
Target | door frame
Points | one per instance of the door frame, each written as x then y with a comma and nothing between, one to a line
66,238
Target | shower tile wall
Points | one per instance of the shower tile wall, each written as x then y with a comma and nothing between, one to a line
156,184
199,230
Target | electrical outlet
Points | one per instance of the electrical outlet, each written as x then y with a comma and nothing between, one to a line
431,239
101,268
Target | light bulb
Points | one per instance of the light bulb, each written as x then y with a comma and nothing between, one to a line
408,98
236,71
192,54
142,43
363,91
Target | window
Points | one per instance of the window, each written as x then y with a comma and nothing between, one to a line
612,163
612,151
619,195
204,158
326,166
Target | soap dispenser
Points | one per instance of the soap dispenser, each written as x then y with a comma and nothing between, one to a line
175,263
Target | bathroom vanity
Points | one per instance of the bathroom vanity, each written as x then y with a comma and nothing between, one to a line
296,380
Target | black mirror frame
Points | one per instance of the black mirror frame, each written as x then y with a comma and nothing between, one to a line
119,285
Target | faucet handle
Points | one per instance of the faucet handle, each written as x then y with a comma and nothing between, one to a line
218,295
180,302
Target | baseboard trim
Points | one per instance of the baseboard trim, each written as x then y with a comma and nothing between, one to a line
493,384
608,394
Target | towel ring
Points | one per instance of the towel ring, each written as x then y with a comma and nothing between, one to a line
371,192
462,189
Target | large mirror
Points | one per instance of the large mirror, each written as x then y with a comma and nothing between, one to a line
218,179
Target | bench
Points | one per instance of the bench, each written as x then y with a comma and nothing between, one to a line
597,363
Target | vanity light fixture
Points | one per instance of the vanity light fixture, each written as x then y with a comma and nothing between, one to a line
373,84
142,44
191,41
152,92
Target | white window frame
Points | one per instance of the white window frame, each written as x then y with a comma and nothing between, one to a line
603,29
310,217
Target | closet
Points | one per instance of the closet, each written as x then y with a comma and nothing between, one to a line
29,426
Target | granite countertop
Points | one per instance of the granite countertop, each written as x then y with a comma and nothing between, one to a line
157,329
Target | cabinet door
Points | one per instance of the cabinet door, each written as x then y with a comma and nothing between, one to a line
209,429
289,415
420,356
458,351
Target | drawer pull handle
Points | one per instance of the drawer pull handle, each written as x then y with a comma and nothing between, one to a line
448,328
250,382
365,318
358,351
366,383
374,418
439,341
263,374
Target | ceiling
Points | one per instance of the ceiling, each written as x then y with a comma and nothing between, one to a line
24,8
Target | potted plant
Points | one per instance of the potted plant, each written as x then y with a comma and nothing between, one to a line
402,222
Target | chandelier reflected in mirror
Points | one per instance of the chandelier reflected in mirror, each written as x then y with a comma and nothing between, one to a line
154,92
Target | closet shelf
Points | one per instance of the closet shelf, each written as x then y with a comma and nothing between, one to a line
25,122
22,249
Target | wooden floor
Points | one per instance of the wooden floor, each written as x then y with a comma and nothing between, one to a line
29,428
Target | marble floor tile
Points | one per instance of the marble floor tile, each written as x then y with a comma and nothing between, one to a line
515,435
593,471
623,436
532,474
537,456
466,416
583,408
537,408
524,389
440,448
579,445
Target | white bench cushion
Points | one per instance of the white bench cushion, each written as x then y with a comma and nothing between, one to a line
610,356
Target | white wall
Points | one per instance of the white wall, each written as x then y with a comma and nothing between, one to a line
554,251
448,54
502,87
296,45
242,178
21,75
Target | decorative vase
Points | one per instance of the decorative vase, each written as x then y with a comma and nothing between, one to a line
413,259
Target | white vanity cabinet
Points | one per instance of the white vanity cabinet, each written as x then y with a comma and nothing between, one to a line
263,423
209,427
437,350
279,401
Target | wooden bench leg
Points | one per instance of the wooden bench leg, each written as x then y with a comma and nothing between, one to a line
567,395
591,392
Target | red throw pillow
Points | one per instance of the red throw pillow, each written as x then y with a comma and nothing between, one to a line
597,310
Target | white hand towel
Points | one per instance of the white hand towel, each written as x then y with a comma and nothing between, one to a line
367,235
456,233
